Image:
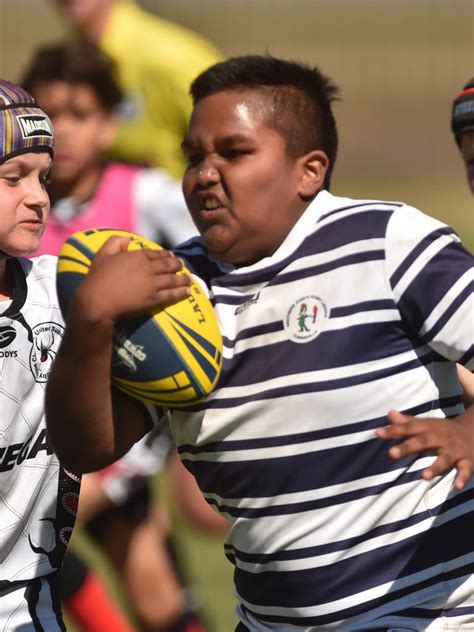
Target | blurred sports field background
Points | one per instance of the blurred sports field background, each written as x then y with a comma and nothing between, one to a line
399,64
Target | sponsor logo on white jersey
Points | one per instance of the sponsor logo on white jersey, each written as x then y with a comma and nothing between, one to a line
247,304
7,336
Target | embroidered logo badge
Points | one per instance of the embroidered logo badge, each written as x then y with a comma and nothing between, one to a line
7,336
247,304
306,318
46,340
34,125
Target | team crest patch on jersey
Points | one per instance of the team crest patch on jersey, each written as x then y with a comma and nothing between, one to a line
306,318
46,340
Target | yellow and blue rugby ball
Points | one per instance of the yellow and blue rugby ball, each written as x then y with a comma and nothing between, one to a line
170,357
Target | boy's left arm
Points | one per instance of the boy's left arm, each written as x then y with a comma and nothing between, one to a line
431,276
451,439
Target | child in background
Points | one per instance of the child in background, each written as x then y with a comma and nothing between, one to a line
75,83
156,61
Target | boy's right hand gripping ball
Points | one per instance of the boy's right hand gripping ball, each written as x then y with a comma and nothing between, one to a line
170,357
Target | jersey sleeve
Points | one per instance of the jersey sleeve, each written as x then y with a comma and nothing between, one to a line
431,277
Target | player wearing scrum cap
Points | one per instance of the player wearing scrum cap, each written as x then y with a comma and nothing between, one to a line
462,125
38,497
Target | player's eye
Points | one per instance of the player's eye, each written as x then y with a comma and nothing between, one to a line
193,159
232,154
12,180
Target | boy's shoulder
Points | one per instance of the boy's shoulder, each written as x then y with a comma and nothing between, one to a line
35,275
35,294
42,265
400,216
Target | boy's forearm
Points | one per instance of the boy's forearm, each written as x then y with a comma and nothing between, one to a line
467,420
78,397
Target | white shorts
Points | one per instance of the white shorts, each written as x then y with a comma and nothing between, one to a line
31,606
146,458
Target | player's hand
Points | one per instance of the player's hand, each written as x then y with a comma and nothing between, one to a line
452,440
123,283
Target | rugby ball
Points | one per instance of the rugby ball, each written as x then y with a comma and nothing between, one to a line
169,357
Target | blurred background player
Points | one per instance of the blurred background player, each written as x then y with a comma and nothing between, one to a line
75,83
462,126
38,498
156,60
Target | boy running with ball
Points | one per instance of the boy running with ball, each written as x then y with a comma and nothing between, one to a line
338,520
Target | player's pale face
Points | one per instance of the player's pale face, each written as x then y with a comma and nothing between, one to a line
467,151
241,186
24,202
82,129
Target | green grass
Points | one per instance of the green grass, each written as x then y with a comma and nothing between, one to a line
201,555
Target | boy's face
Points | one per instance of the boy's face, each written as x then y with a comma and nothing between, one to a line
241,186
82,128
24,202
467,151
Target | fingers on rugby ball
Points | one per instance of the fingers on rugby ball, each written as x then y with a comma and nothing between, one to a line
170,357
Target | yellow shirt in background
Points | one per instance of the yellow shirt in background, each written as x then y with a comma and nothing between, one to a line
156,61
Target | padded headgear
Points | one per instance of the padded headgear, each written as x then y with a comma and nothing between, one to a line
462,118
24,127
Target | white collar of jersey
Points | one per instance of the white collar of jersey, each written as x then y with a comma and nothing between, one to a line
17,276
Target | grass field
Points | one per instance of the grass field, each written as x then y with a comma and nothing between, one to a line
202,556
399,63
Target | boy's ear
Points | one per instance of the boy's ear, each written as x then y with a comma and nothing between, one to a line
314,166
108,131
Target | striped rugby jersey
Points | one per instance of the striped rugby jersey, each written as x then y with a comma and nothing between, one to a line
365,307
38,498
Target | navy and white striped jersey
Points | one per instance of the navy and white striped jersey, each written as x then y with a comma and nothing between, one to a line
38,498
365,307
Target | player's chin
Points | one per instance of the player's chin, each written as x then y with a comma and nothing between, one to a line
25,248
230,255
219,245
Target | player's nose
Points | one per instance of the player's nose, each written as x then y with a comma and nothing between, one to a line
207,173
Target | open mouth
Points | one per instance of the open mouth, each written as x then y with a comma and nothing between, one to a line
209,207
210,204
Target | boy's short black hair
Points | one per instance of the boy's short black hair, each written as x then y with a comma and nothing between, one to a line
76,61
302,97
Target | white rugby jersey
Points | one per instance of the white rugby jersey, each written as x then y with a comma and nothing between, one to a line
38,499
365,307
